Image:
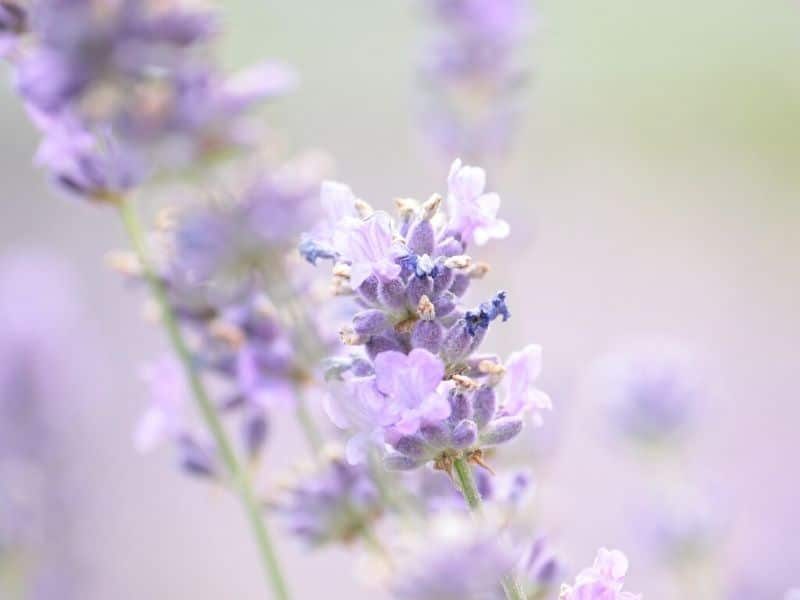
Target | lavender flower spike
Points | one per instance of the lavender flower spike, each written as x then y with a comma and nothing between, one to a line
602,581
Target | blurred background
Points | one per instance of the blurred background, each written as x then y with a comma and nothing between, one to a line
653,190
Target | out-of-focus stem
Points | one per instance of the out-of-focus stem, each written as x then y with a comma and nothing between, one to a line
238,475
471,494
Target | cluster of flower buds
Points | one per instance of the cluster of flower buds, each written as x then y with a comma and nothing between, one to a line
329,500
220,266
120,87
421,386
471,76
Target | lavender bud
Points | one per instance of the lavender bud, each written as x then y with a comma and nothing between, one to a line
382,343
460,284
368,291
450,247
417,288
427,335
442,280
460,407
392,293
195,459
361,367
421,238
411,446
501,430
444,304
465,434
436,435
370,322
254,432
399,462
457,342
484,404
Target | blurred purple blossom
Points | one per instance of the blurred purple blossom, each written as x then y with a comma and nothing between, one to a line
602,581
473,213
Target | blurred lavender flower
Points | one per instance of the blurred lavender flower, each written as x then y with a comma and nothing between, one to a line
38,318
652,390
123,88
602,581
470,76
332,501
424,390
455,558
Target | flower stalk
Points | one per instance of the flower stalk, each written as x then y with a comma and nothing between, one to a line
237,474
472,496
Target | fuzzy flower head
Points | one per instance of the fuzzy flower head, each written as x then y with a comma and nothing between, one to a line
602,581
651,390
473,213
331,502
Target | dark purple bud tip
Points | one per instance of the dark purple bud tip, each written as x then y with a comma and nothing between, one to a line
368,290
465,434
417,288
501,430
436,435
196,459
460,407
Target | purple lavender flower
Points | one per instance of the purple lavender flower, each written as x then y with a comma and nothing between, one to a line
454,558
424,390
651,390
602,581
13,22
332,502
522,395
470,75
473,213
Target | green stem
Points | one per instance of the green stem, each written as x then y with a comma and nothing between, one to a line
511,586
237,474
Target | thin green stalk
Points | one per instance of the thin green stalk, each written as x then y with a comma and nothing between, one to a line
511,586
237,474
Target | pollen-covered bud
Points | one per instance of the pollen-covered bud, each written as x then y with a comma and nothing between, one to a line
460,261
460,284
370,322
227,333
406,207
392,293
417,288
484,405
124,262
340,286
427,335
501,430
478,270
465,383
465,434
421,237
341,270
425,309
431,206
363,208
350,337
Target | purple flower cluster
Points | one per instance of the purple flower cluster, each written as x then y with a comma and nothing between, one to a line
119,87
422,387
335,502
221,266
602,581
471,76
